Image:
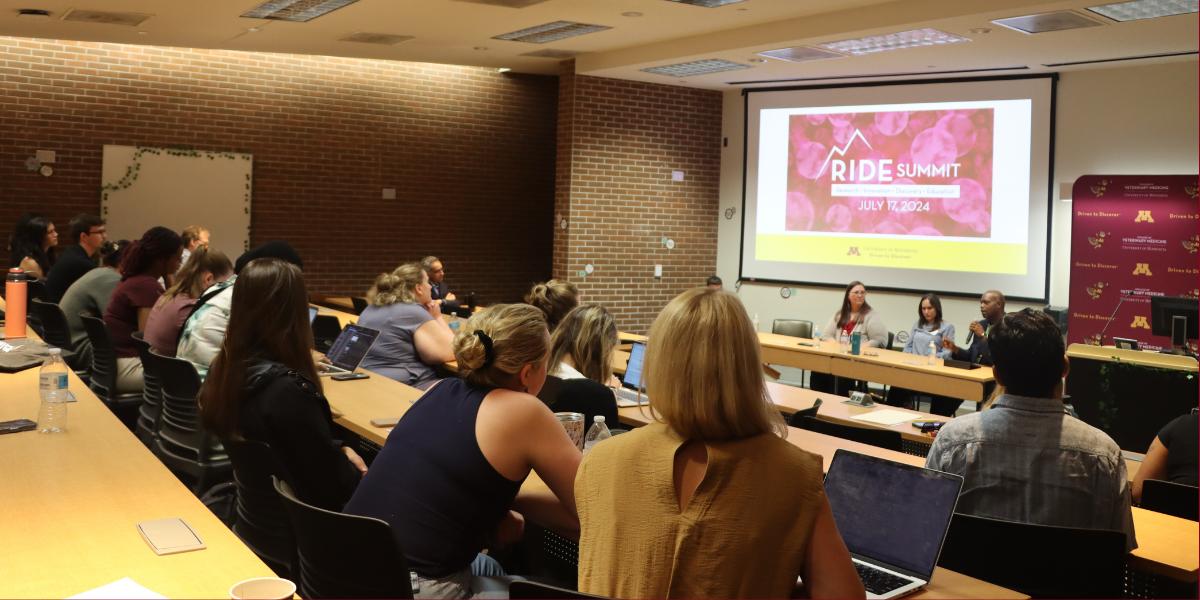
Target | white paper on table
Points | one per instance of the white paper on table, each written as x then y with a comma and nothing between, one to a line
121,588
886,416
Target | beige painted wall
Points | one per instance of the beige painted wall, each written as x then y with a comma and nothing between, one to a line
1121,121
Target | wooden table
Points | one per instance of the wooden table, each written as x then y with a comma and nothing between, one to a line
344,318
71,502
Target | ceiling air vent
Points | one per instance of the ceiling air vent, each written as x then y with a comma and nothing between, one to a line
696,67
127,19
299,11
382,39
550,32
800,54
1146,9
552,53
707,3
1046,22
505,3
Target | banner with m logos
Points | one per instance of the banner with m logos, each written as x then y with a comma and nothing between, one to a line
1132,237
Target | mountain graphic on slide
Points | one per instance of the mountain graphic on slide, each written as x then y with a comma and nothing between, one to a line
842,151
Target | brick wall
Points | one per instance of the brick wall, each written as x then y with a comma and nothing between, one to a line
470,151
614,187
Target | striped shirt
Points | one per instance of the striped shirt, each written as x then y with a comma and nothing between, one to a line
1024,459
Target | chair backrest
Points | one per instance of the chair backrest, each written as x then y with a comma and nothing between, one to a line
54,323
103,379
260,518
344,556
891,340
792,327
1038,560
1171,498
151,386
884,438
532,590
326,329
179,424
359,303
900,337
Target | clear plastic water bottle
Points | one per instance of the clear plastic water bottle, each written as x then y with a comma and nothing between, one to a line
52,386
932,353
755,321
597,433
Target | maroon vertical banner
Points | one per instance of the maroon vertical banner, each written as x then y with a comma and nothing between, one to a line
1132,237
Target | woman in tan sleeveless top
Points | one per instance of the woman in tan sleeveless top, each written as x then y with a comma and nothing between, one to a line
710,501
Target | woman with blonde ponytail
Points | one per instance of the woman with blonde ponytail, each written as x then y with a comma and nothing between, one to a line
448,475
413,337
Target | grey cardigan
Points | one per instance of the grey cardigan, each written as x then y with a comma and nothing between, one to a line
869,325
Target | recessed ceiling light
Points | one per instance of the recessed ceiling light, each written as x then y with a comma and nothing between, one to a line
253,30
1145,9
631,13
550,32
1059,20
894,41
143,33
299,11
33,14
799,54
503,70
697,67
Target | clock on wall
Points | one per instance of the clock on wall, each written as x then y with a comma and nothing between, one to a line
785,292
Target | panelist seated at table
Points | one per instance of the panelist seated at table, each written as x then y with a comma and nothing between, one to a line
263,386
991,306
694,506
1024,458
555,299
413,337
1172,454
856,315
581,351
926,338
450,470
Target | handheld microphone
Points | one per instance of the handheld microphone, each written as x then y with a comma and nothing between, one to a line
1111,317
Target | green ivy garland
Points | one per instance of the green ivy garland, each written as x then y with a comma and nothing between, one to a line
132,171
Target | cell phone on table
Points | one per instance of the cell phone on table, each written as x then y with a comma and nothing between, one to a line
17,425
928,426
348,376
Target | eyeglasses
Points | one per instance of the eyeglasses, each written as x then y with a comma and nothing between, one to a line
99,232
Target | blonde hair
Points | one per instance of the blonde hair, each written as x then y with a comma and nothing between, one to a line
190,279
555,299
398,286
518,337
192,233
704,372
588,334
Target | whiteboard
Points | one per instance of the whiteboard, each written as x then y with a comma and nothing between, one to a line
176,187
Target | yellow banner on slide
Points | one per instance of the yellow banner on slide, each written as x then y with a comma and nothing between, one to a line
935,255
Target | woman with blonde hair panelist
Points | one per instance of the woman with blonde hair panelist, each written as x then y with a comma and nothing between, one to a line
709,501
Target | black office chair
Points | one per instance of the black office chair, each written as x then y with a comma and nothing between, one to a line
57,333
102,378
883,438
151,407
1043,561
260,520
184,445
360,304
326,329
35,290
1171,498
344,556
794,328
532,590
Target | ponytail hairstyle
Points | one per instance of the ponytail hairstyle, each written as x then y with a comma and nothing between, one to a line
157,244
398,286
190,279
588,335
493,345
555,299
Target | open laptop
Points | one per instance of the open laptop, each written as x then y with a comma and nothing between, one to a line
893,518
631,394
348,350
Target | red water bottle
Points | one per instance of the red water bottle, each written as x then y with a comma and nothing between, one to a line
16,293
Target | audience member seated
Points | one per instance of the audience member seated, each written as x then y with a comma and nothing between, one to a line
204,268
154,256
1172,455
555,299
90,294
448,474
437,286
89,234
929,329
263,386
581,352
31,245
694,506
855,315
413,336
991,306
193,236
714,283
1024,458
204,331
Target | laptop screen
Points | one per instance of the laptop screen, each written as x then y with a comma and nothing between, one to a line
893,513
633,371
312,314
351,346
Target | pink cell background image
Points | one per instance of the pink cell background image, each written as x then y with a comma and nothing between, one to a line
911,137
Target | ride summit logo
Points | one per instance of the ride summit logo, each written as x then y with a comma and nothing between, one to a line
920,173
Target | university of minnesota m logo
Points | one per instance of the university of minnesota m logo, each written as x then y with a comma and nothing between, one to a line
1143,269
1139,321
1144,216
853,251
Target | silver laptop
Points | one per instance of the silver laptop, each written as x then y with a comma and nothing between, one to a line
893,518
348,350
632,392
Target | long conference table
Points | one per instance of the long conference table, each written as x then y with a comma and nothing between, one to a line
70,504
